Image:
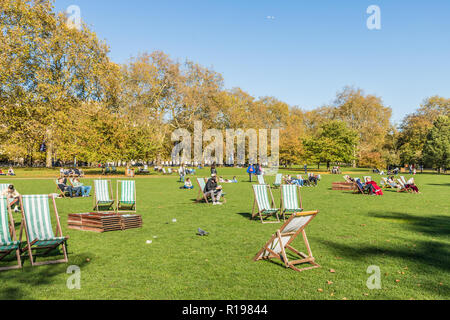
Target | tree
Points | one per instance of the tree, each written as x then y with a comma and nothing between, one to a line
334,143
437,146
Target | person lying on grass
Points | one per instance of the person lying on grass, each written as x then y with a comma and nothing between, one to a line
62,185
412,185
85,190
13,197
213,190
11,172
187,184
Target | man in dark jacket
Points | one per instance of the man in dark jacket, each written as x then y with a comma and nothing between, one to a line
65,188
213,190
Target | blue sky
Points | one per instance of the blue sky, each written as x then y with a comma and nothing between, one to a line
303,54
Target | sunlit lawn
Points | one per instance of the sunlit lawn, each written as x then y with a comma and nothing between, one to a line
406,235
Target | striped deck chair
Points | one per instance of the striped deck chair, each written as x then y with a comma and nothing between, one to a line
358,185
278,180
127,200
281,241
8,244
261,179
403,187
58,190
38,228
3,187
102,195
291,200
265,207
201,190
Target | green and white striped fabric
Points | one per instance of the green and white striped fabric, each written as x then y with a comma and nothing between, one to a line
278,179
127,192
261,179
262,199
3,187
201,183
102,191
290,198
39,224
6,242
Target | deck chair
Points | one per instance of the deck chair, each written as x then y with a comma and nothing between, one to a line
3,187
261,179
102,195
291,200
385,184
201,191
359,189
263,204
37,224
347,179
403,180
58,190
403,187
281,241
8,244
127,200
278,181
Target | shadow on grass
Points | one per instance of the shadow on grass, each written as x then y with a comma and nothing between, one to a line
18,281
438,225
439,184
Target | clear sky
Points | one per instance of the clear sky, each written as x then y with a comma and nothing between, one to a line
299,51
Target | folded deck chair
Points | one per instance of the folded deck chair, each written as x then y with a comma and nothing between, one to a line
127,200
38,228
264,205
102,195
291,200
8,244
277,246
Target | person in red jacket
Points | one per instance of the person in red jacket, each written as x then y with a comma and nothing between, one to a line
374,188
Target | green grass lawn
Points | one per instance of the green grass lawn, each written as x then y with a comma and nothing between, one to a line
406,235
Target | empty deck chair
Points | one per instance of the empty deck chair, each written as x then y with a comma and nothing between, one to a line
291,200
280,243
127,200
261,179
265,207
278,180
102,195
8,244
38,228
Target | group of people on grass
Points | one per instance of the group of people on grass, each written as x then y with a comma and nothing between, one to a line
9,173
311,181
75,172
76,189
255,170
410,184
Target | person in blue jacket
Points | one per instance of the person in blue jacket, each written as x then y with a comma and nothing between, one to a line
251,171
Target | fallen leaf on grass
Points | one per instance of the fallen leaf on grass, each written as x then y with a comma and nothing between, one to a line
320,290
332,271
330,282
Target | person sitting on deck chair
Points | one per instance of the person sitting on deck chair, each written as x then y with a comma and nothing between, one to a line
85,190
411,185
392,183
313,179
213,190
13,197
373,188
65,188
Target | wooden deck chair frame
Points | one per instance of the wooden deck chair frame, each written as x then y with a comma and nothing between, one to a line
278,181
8,230
258,211
131,206
281,241
58,190
109,204
359,190
290,211
33,244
